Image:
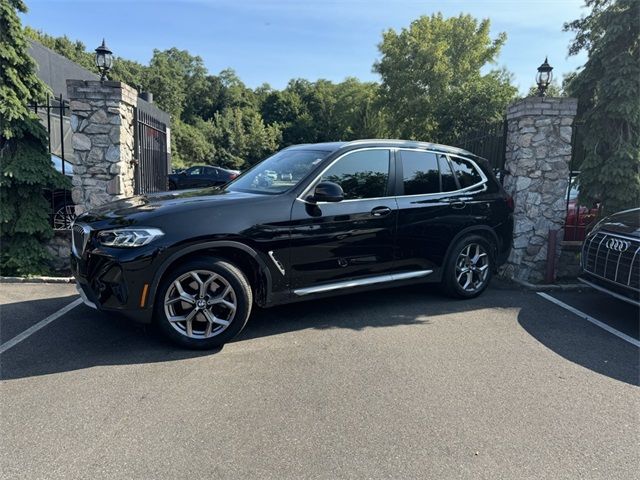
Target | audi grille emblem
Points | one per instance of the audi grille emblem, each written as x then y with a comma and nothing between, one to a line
617,245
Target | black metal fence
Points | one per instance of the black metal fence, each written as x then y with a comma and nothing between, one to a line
489,143
152,165
54,115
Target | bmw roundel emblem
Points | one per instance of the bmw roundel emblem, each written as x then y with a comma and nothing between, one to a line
617,244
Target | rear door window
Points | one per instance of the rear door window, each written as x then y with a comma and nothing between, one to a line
467,174
420,173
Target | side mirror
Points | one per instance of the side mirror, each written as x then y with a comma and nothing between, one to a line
328,192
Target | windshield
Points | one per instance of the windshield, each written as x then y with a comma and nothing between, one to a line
278,173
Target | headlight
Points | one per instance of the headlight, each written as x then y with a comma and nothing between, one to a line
129,237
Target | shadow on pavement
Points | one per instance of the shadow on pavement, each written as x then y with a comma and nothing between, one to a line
85,338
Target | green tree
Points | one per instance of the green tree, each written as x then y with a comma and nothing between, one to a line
190,144
323,111
357,110
242,138
553,90
431,73
26,167
166,77
608,89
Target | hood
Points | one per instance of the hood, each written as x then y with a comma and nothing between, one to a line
144,209
624,223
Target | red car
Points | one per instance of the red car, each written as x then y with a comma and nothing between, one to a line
578,218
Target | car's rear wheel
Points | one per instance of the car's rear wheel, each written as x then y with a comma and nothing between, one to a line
204,303
469,267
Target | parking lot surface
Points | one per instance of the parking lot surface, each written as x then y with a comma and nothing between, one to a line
399,383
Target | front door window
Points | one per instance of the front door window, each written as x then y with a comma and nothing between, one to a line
362,174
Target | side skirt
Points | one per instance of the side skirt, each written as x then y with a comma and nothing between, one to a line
361,282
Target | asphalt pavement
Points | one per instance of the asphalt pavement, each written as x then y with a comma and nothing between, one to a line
400,383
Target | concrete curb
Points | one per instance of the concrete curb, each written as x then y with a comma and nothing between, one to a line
555,287
37,279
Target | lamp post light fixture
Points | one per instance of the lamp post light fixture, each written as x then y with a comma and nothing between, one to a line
544,77
104,60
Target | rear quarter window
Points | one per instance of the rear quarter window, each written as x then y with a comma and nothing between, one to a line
467,174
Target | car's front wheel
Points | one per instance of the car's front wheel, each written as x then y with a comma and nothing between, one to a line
469,267
204,303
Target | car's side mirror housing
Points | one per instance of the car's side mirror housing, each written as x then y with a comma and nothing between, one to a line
328,192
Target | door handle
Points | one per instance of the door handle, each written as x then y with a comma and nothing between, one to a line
380,211
457,204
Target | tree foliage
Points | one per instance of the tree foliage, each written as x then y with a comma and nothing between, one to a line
553,90
242,138
432,89
432,84
608,89
26,167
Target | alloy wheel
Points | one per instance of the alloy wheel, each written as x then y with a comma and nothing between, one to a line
64,217
200,304
472,268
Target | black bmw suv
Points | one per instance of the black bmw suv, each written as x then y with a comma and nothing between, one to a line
308,222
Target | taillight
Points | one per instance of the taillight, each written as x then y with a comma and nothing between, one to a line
232,176
510,203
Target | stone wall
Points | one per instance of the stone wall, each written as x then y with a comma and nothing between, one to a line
59,246
538,153
102,119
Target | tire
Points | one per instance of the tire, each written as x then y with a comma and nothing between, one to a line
172,186
223,285
463,276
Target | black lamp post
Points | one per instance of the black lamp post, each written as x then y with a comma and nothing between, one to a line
104,60
544,77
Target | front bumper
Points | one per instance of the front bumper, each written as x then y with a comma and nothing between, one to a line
111,285
84,297
628,295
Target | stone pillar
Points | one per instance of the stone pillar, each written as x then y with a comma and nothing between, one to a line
538,153
102,120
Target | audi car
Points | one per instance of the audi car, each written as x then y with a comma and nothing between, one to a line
355,216
611,256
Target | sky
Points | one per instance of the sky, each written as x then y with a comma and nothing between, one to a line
274,41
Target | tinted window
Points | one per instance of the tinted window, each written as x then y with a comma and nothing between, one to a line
466,172
210,171
448,180
194,171
420,172
362,174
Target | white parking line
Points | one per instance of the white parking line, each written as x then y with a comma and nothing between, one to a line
41,324
589,318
